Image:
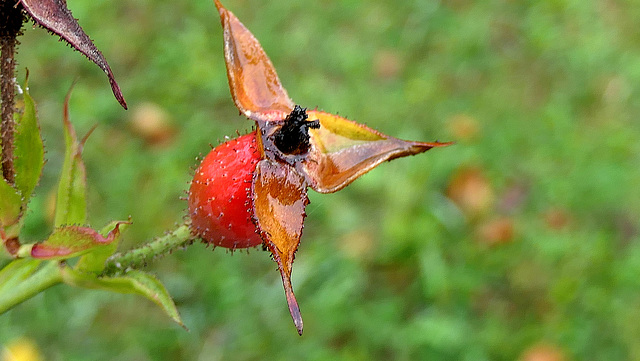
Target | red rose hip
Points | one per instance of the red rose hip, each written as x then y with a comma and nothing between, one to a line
253,190
220,195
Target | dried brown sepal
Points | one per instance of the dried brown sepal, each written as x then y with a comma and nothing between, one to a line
254,83
279,199
299,149
55,16
343,150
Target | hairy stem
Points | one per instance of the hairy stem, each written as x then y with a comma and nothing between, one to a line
7,84
139,257
12,18
24,278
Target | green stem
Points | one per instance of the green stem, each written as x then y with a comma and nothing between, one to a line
20,280
47,276
139,257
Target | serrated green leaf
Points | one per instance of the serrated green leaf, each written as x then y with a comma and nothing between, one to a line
94,261
16,272
134,281
71,203
72,241
29,151
10,204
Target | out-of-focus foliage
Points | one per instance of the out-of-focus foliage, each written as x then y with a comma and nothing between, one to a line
520,241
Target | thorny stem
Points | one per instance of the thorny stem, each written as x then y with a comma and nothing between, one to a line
7,84
11,19
139,257
50,274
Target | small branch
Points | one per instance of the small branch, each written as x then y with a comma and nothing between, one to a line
139,257
47,276
50,274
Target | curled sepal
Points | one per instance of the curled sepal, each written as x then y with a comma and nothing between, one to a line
55,16
136,282
279,199
343,150
71,241
95,260
29,151
254,83
71,203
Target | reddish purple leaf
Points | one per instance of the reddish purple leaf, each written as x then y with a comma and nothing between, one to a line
55,16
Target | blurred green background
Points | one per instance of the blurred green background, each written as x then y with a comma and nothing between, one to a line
519,242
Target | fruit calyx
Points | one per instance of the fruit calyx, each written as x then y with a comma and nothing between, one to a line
293,137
